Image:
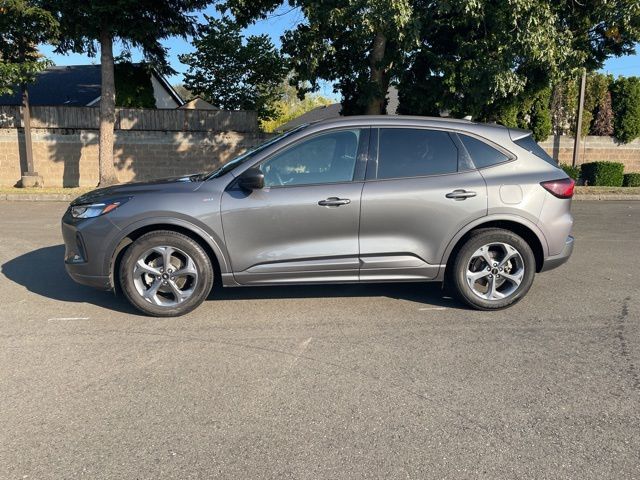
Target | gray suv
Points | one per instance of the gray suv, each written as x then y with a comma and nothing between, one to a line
479,207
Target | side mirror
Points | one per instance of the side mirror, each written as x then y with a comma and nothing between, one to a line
251,179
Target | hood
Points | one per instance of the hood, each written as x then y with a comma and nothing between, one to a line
185,182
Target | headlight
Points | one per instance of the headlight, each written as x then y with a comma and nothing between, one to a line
95,209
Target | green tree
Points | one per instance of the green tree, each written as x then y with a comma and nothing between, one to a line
233,72
23,25
89,26
596,89
626,108
470,57
359,45
133,85
479,57
290,106
540,115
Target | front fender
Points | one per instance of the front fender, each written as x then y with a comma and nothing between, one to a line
216,245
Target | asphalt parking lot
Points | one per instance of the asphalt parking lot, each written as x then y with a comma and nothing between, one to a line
377,381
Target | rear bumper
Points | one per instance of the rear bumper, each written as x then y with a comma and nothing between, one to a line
556,260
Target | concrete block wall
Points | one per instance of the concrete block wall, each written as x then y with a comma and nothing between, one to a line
69,157
594,149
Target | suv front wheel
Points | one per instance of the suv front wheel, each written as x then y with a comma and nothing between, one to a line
165,274
494,269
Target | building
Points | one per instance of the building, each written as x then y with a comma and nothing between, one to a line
79,86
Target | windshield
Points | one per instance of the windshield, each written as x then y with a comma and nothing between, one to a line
230,165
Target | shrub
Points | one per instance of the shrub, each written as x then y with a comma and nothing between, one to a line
631,180
626,108
573,172
602,174
540,116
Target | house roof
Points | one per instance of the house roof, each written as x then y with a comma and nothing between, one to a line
73,85
76,85
198,104
319,113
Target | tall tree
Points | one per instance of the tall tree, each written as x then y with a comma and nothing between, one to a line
357,44
626,108
234,72
481,57
478,57
91,25
23,26
603,121
290,106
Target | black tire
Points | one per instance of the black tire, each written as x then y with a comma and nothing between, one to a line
476,240
203,282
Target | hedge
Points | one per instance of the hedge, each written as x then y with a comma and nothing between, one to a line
603,174
631,180
573,172
626,108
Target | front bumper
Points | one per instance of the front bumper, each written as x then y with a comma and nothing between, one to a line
556,260
85,257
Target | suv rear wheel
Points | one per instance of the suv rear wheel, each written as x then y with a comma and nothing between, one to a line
494,269
165,274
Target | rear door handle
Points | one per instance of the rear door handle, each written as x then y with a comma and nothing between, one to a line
334,202
460,194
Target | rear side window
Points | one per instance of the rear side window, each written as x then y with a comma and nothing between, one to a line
415,152
482,154
530,145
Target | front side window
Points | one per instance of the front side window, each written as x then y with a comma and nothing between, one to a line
325,158
415,152
482,155
252,152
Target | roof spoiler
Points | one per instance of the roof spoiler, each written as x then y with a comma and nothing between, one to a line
518,133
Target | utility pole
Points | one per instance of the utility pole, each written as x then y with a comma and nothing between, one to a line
576,143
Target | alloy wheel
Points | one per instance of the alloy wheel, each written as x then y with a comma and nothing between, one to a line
495,271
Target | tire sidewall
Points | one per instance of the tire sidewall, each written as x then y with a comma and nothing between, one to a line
176,240
464,256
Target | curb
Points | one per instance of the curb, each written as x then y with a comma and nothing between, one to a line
65,197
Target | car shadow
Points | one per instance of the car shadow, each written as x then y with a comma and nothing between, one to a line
42,272
419,292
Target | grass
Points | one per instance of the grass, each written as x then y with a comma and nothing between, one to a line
608,190
46,191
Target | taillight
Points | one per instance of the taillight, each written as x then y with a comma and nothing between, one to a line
562,188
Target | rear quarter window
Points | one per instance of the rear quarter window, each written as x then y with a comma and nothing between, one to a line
482,155
531,146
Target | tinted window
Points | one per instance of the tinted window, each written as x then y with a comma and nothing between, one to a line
530,145
327,158
482,154
414,152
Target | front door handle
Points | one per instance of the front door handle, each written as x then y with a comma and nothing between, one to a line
334,202
460,194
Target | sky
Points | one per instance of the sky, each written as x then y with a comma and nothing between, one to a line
278,22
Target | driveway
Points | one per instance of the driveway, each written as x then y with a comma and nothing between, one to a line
373,381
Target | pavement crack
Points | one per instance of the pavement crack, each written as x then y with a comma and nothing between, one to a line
620,334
